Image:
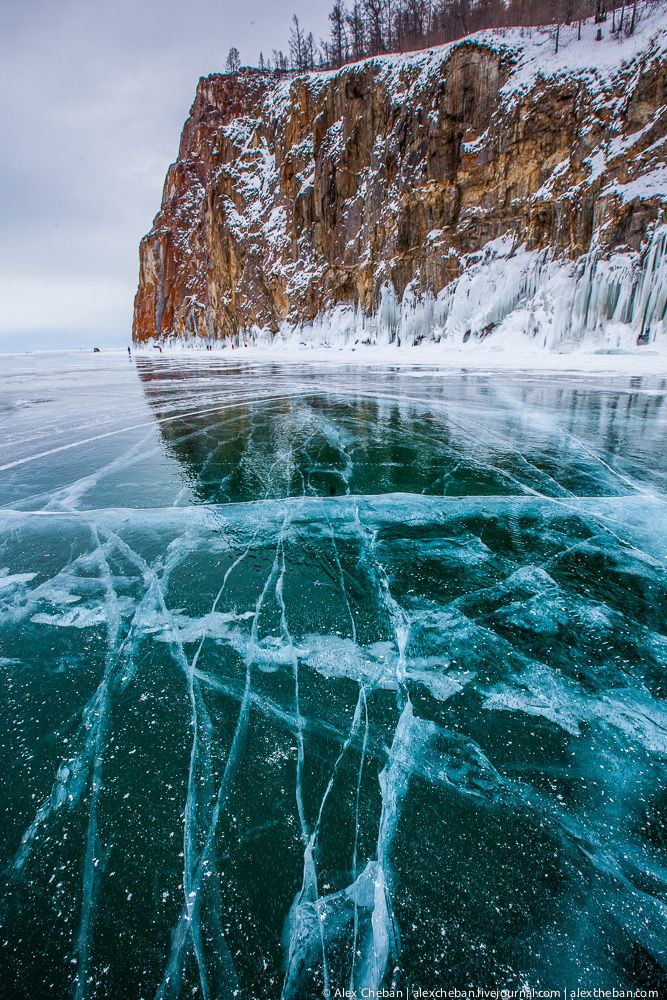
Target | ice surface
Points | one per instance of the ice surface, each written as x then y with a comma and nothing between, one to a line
320,678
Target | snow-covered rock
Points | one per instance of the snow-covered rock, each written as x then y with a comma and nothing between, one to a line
487,187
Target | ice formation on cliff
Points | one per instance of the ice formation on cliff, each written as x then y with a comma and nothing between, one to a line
608,303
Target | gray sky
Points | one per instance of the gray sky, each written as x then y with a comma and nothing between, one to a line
93,96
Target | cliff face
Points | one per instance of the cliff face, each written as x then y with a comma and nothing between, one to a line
400,174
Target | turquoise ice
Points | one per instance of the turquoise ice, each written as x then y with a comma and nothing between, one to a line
330,677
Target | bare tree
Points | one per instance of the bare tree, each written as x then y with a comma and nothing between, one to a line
310,51
462,13
415,11
373,13
633,19
233,63
356,25
297,46
280,60
558,17
337,20
389,22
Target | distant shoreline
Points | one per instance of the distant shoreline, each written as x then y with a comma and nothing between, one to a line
643,361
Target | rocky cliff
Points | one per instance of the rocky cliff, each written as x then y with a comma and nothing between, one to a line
433,194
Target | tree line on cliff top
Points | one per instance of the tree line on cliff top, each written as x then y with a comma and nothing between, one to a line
361,28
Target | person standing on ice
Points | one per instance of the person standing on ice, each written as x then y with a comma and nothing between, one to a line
129,353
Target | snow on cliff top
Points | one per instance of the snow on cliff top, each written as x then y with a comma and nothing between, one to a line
533,51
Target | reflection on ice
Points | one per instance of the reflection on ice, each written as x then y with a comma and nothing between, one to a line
410,733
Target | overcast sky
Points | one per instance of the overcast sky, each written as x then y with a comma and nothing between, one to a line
93,96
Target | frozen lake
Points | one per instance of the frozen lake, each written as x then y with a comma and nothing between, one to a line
319,678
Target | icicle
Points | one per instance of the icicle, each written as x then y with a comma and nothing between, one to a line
389,315
616,302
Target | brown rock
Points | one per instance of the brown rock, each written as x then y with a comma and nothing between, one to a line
291,196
